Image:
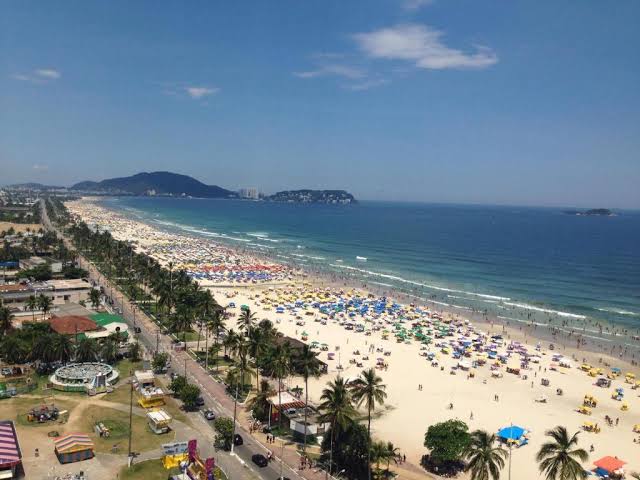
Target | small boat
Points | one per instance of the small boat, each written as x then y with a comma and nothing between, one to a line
361,259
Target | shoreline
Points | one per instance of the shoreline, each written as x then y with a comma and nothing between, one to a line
620,346
408,410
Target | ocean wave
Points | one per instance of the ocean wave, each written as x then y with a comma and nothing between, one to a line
383,284
546,310
618,311
259,245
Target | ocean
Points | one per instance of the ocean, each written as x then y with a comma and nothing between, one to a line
518,263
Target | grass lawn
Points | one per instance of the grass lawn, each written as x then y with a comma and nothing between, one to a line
126,366
149,470
22,406
153,470
122,393
118,423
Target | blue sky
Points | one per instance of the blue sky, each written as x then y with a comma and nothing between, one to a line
468,101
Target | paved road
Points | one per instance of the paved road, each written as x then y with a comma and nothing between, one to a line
237,465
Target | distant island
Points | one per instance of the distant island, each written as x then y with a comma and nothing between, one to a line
312,196
597,212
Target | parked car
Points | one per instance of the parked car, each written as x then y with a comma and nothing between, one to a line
200,402
260,460
238,440
208,414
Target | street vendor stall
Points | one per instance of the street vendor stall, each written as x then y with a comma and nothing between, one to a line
609,467
73,447
10,454
159,421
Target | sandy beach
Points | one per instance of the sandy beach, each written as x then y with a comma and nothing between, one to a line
390,332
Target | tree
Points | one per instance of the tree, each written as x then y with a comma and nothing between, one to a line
368,389
12,349
189,396
447,440
159,362
560,458
224,433
337,409
177,384
32,305
246,321
87,350
485,460
6,319
94,297
281,367
259,403
306,363
109,350
61,348
352,454
45,304
134,351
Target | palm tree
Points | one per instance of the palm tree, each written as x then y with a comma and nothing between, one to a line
257,345
378,453
368,389
337,409
485,460
246,321
281,367
393,453
182,321
5,320
94,297
45,304
61,348
307,363
32,305
87,350
12,350
217,325
560,459
109,350
231,341
259,403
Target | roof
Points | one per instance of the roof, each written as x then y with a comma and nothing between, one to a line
9,447
104,319
610,464
288,401
70,324
15,288
73,442
159,416
68,284
144,376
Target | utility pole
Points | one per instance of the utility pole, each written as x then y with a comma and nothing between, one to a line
235,405
130,416
157,341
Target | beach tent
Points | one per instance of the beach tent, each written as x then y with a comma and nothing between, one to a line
607,465
513,434
10,454
73,447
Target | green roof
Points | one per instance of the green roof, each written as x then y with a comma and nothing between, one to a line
104,319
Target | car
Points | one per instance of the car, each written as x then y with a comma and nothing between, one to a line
200,402
238,440
209,415
260,460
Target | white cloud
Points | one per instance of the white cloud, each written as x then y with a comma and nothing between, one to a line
40,168
423,46
200,92
338,70
413,5
41,75
48,73
366,84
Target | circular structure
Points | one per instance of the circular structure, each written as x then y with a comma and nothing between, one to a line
84,376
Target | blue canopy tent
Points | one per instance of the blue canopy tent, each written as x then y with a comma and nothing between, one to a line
513,434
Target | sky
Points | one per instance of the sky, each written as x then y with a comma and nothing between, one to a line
469,101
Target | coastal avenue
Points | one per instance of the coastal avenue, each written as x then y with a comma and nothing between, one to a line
213,392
